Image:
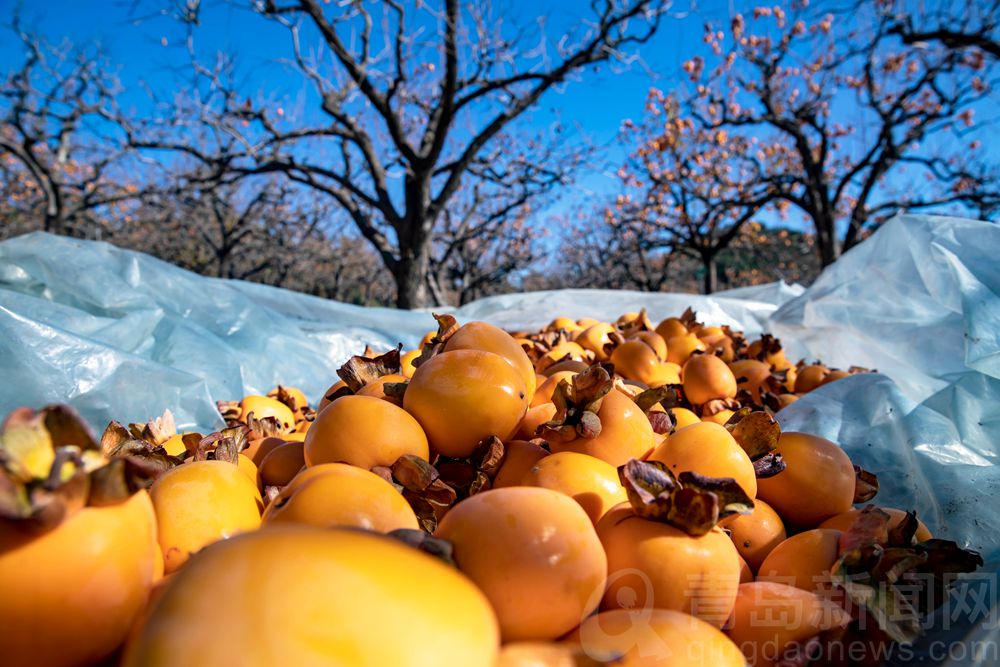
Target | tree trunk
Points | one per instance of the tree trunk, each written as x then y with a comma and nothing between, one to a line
826,238
410,274
711,279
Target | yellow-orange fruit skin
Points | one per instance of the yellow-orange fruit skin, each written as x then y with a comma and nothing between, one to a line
684,417
706,377
636,360
489,338
654,565
343,495
625,433
751,375
535,555
199,503
707,449
533,418
720,417
364,431
406,362
298,595
464,396
654,638
573,366
377,388
537,654
264,406
297,395
519,458
281,465
845,520
810,377
803,560
260,448
794,615
680,348
654,340
594,338
671,327
548,388
324,401
816,484
589,481
755,534
69,595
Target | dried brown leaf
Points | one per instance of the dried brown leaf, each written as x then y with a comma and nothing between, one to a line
360,371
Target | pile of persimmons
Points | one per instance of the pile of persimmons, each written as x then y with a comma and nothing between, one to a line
593,493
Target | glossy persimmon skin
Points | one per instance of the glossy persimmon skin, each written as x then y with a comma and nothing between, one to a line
654,638
625,433
264,406
594,338
794,615
803,560
636,360
816,484
281,465
684,417
706,377
708,449
377,388
519,458
810,377
533,419
489,338
751,375
69,595
199,503
535,555
591,482
680,348
670,328
654,565
547,389
364,431
299,595
755,534
464,396
341,495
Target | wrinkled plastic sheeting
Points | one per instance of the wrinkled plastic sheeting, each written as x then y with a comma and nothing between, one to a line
121,335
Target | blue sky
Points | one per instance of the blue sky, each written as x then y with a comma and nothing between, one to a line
146,50
596,105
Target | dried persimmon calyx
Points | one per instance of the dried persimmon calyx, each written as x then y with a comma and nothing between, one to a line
691,502
578,402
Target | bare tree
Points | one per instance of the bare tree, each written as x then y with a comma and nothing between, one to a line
414,100
964,24
52,139
485,237
688,188
786,78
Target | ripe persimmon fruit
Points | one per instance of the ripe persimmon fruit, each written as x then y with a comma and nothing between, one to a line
535,555
464,396
816,484
332,597
364,431
199,503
